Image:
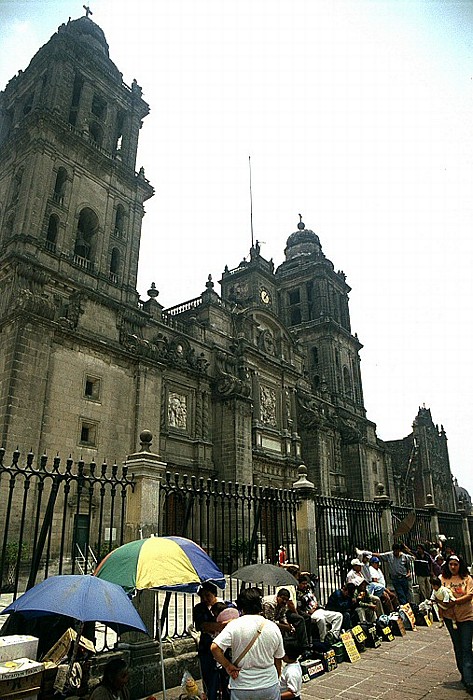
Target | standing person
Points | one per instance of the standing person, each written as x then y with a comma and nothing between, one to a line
399,567
282,556
206,623
455,577
291,677
423,571
257,651
113,683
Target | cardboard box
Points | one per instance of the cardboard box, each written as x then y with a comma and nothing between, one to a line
19,676
18,646
311,669
61,649
329,660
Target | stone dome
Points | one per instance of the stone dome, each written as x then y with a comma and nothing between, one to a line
463,496
302,242
87,30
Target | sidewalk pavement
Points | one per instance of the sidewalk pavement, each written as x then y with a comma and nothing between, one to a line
419,665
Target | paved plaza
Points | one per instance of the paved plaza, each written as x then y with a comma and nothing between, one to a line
419,665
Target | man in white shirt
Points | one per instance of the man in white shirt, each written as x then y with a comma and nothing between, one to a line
354,575
257,651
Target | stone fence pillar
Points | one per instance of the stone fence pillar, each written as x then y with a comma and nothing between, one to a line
468,553
305,521
142,507
434,521
384,504
143,520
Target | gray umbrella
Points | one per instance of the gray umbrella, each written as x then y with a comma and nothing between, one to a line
268,574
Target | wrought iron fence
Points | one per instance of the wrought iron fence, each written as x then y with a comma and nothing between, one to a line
411,526
342,526
450,525
236,524
57,518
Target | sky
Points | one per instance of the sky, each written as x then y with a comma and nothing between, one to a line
357,114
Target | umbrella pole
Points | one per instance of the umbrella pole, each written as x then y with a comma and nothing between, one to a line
160,640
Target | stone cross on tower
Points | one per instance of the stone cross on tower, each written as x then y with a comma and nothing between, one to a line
88,11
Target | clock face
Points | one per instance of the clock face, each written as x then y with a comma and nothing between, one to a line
265,296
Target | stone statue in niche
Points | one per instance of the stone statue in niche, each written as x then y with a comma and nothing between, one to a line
177,411
268,406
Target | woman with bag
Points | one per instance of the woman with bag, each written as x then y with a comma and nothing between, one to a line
257,651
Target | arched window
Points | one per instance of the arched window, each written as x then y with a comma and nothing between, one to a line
16,186
96,133
51,234
119,221
347,384
9,226
60,186
87,227
114,265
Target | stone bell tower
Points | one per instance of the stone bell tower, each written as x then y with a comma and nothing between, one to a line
71,209
71,199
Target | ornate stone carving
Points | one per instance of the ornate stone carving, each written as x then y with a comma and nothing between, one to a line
268,406
266,342
39,304
232,375
177,410
310,413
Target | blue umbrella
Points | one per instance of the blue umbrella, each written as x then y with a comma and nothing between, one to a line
85,598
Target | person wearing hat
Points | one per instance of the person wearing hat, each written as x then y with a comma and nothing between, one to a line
354,575
377,586
206,623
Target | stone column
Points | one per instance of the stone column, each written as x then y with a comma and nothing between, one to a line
468,553
305,521
142,520
384,504
434,521
142,508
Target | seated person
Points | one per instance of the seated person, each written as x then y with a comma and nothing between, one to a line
280,609
113,683
314,615
343,601
291,676
378,587
365,604
354,575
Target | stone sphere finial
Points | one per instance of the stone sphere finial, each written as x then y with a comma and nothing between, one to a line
302,480
146,437
302,471
380,489
429,499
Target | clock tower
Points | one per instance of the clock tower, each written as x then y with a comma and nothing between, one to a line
252,283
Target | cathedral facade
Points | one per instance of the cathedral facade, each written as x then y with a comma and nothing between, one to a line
242,386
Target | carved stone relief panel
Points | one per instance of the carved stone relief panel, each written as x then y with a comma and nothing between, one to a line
268,406
177,410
